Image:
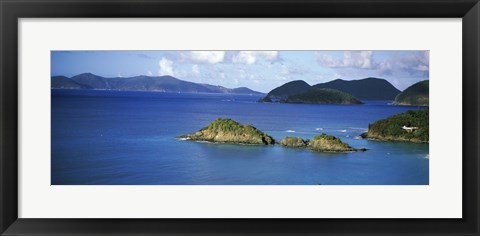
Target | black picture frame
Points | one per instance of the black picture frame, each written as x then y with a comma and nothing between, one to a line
12,10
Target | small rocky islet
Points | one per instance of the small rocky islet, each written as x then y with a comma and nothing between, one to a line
229,131
320,143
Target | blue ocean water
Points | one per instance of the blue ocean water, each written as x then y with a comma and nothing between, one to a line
128,138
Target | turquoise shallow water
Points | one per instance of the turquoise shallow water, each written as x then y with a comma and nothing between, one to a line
125,138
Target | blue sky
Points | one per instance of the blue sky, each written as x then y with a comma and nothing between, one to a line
258,70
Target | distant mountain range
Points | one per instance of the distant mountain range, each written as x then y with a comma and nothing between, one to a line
363,89
141,83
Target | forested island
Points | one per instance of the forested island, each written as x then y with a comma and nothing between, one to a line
415,95
410,126
230,131
323,96
364,89
300,92
349,92
320,143
334,92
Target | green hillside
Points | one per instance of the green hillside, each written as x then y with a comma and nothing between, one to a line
397,127
364,89
323,96
282,92
415,95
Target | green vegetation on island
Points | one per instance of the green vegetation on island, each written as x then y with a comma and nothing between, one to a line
323,96
410,126
266,99
363,89
294,142
281,93
320,143
230,131
415,95
329,143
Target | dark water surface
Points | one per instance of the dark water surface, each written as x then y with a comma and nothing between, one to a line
115,137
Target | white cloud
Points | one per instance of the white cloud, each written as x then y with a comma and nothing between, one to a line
242,74
360,59
385,67
244,58
421,68
195,70
415,63
351,59
327,60
250,57
166,67
284,73
149,73
222,75
293,71
211,57
196,73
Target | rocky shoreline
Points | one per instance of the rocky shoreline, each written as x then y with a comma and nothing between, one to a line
232,132
320,143
411,126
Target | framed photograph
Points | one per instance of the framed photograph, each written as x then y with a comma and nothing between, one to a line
239,117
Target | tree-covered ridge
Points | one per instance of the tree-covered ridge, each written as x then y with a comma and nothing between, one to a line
290,88
230,131
323,96
415,95
411,126
364,89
